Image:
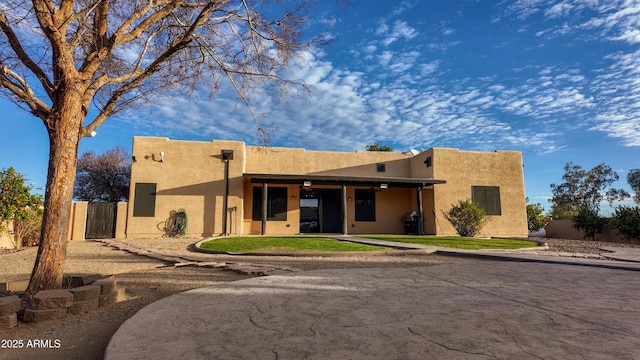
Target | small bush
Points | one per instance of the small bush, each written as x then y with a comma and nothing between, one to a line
26,231
535,219
466,217
626,219
590,222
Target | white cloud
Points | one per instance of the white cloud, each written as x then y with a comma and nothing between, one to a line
400,95
630,36
619,113
401,31
618,19
448,31
382,29
558,10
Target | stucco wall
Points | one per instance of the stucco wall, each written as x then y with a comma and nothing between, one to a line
262,160
391,206
290,226
464,169
78,223
563,229
191,177
6,237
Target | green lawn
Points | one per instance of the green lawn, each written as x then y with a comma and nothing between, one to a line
284,244
456,242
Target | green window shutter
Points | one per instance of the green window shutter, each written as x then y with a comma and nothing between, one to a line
487,198
144,203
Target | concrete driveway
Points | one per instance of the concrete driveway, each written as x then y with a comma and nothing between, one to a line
471,310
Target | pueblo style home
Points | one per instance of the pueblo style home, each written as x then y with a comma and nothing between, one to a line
226,187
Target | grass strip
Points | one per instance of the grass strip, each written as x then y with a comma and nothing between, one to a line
285,244
456,242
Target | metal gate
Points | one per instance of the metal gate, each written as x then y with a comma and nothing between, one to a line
101,220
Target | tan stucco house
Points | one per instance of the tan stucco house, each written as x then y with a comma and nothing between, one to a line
226,187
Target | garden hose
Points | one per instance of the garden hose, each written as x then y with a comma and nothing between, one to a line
180,225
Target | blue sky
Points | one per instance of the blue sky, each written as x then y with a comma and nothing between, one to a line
557,80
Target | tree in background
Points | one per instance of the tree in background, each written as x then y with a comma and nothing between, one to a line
103,177
626,219
466,217
535,217
376,147
61,59
590,222
584,189
633,178
17,204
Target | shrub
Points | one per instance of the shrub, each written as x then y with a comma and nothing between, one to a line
26,231
466,217
626,219
590,222
17,203
535,219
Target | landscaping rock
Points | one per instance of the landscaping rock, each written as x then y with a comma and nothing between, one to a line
9,305
108,299
86,292
80,307
16,285
122,295
52,299
74,281
32,315
107,285
8,321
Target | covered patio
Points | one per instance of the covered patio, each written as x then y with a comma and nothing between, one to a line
332,193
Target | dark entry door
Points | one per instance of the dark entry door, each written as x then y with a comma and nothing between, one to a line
320,211
101,220
331,211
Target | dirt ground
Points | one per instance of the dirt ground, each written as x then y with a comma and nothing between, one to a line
146,280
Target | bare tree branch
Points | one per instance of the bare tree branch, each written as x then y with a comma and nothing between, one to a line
21,89
22,54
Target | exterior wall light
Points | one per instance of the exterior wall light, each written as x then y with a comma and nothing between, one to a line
383,186
227,154
306,183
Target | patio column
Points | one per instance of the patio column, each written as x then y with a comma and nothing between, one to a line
420,212
265,188
345,226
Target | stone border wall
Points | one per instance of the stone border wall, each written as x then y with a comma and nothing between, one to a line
54,304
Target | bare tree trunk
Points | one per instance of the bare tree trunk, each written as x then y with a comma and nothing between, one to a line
64,135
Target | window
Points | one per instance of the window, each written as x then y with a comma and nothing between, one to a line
365,205
144,203
487,198
276,204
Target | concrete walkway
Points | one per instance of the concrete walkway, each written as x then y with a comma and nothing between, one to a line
530,307
629,258
469,310
623,254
